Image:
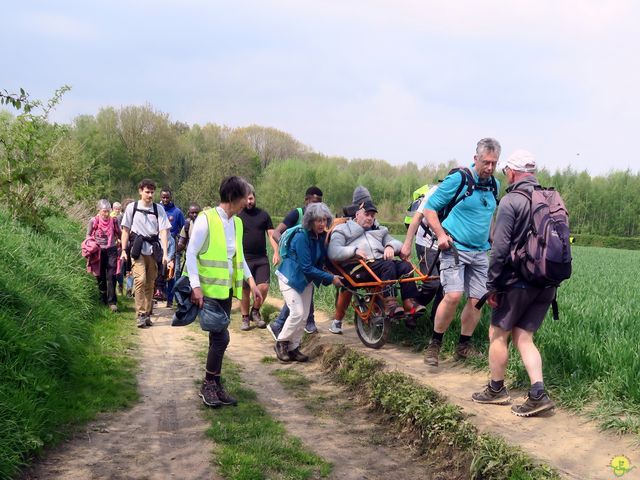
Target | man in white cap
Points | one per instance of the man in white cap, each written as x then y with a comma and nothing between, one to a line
518,307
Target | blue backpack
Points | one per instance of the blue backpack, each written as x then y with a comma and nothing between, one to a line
285,240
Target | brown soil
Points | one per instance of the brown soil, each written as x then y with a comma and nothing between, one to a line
163,436
353,439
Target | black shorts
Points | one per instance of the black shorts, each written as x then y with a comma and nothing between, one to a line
524,308
260,270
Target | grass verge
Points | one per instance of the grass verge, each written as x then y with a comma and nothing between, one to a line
250,445
440,426
63,358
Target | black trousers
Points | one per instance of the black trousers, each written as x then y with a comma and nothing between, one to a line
430,290
218,342
392,270
107,278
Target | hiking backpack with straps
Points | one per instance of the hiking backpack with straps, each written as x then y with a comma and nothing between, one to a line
468,181
543,258
284,245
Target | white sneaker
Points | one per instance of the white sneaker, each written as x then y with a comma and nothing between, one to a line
336,327
272,332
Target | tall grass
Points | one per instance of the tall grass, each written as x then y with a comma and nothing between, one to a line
62,358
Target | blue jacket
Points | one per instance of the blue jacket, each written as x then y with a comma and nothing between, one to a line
176,218
304,263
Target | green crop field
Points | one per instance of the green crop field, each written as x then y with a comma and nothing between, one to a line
591,355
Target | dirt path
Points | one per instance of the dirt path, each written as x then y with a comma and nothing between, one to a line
326,420
162,437
572,444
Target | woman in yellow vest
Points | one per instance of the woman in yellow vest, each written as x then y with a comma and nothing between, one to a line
216,268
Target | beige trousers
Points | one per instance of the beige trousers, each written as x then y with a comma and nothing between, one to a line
145,271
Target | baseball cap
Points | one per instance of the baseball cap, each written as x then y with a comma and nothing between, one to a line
521,161
368,206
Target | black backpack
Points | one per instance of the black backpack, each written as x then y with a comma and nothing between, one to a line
469,182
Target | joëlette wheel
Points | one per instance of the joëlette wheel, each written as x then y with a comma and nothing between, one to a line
375,332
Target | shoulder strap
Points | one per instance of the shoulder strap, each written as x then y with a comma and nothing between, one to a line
529,197
468,181
94,225
135,209
300,215
494,189
155,212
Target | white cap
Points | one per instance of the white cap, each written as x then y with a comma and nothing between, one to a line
521,161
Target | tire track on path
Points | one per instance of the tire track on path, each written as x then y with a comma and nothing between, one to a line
162,436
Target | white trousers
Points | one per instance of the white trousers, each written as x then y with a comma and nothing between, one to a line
299,305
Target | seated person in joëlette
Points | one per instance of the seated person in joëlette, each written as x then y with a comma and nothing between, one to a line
361,238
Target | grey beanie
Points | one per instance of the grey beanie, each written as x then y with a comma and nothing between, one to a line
360,194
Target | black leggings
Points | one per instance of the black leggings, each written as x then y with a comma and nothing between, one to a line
218,342
107,278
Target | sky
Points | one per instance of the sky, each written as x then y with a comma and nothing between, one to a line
403,81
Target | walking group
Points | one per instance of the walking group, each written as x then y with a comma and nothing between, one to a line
459,240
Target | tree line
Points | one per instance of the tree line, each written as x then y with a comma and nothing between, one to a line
47,167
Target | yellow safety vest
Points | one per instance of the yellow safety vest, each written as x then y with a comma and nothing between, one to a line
213,265
416,194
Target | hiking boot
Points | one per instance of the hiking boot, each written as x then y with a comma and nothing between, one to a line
224,397
466,350
142,321
432,353
208,393
336,327
413,308
282,351
490,396
311,328
113,308
533,406
392,308
297,356
147,320
256,317
245,324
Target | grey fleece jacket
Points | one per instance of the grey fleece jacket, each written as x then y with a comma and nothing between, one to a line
509,229
349,237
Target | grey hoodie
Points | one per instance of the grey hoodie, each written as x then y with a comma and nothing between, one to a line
349,237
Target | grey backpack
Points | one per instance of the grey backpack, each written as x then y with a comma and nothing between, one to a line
544,257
